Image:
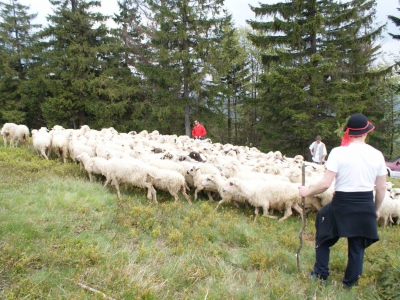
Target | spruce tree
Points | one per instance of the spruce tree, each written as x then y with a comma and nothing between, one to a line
396,21
16,39
176,60
230,70
319,72
82,68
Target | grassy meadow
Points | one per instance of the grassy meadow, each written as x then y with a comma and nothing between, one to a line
62,237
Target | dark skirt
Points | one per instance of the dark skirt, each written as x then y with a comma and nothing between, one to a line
350,214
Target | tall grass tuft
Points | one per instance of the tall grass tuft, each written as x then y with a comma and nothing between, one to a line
59,232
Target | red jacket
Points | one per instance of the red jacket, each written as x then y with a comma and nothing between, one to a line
198,131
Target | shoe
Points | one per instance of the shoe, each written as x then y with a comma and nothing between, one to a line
314,276
348,286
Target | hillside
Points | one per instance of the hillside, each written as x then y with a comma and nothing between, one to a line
61,235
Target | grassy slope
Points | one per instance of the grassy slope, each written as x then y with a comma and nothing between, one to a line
58,230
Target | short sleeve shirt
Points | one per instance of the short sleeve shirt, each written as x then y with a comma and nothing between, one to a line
357,166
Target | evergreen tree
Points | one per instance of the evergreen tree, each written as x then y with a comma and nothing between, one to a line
396,21
82,68
176,62
231,68
15,55
319,73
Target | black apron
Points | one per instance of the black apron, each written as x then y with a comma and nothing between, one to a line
350,214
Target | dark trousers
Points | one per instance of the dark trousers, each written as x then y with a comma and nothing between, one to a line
355,258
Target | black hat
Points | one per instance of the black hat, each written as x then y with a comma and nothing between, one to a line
358,124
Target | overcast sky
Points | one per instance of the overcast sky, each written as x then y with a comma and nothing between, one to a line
241,12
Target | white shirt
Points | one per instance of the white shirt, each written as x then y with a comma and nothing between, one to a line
319,151
357,166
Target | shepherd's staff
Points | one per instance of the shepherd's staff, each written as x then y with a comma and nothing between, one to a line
303,216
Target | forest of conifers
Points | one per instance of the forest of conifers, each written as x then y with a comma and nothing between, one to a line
300,72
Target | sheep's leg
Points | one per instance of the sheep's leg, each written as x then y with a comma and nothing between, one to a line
385,223
114,182
183,192
174,194
48,151
236,204
5,141
222,201
209,196
265,208
151,192
90,176
256,210
198,189
287,214
297,208
107,181
44,154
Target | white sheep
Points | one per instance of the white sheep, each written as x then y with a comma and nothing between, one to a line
93,165
59,142
130,171
42,142
170,181
198,178
215,181
388,208
15,133
76,147
277,195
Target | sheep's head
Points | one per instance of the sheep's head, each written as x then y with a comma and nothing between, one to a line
196,156
193,170
230,186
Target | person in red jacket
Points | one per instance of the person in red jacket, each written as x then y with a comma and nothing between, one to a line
198,131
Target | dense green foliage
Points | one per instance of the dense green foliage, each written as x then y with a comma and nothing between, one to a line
16,42
301,71
319,72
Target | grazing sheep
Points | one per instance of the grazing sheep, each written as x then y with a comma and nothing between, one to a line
130,171
23,135
15,133
170,181
59,143
389,208
198,178
42,142
93,165
76,147
277,195
215,181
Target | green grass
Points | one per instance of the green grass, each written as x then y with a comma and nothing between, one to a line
58,230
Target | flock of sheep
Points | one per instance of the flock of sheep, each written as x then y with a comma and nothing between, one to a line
177,164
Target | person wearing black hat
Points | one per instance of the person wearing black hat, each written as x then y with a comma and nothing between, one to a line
318,151
357,168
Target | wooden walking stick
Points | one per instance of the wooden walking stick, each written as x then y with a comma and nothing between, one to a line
303,216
